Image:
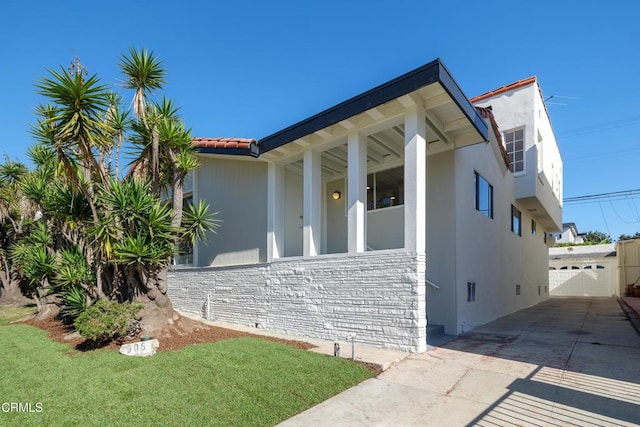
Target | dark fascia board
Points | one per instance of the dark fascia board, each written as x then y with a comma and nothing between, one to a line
426,75
252,151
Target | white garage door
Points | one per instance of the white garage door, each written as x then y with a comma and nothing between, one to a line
589,279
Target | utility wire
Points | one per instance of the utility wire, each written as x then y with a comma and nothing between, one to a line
614,195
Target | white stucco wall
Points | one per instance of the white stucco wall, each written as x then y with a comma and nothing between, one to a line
487,251
541,181
237,190
441,241
374,296
335,224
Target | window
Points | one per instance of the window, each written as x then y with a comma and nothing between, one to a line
484,196
516,221
471,291
533,228
385,188
518,290
514,144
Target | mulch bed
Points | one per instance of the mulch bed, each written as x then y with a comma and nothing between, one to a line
64,333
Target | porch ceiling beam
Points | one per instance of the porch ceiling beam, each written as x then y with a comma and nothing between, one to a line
437,101
335,157
407,101
399,131
347,124
375,113
456,124
332,171
375,157
272,156
283,150
323,133
302,142
385,145
338,167
436,126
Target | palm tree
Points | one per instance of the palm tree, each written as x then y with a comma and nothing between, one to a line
144,74
73,125
107,237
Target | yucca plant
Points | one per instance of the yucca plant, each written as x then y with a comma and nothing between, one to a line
75,301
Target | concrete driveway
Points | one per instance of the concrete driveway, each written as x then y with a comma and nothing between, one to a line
566,361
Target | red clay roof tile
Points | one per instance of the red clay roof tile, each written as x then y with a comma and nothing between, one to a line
241,143
512,86
487,113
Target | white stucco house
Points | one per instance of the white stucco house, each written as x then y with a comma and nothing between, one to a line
405,205
569,234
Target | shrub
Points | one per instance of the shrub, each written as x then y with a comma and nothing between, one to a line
106,320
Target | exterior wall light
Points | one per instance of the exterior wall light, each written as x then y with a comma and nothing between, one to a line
336,195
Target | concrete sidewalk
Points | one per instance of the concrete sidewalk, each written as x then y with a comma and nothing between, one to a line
566,361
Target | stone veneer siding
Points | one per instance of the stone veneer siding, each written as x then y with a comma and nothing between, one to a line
378,296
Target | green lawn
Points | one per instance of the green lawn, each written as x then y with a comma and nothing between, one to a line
11,313
243,381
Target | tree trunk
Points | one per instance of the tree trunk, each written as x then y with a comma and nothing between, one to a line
10,293
48,305
158,315
177,199
155,163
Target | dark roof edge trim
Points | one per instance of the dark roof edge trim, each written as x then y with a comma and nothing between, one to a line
453,89
433,72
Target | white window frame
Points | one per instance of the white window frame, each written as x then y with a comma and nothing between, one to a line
374,190
515,210
512,154
477,178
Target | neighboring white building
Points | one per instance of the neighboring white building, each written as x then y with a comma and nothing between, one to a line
569,234
396,206
590,270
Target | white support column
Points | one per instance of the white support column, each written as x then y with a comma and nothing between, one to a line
415,179
357,192
275,213
312,203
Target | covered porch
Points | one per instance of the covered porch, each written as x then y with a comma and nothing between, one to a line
354,178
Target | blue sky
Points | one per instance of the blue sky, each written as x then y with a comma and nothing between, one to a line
250,68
